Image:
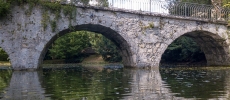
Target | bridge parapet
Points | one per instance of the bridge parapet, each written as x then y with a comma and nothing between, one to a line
183,10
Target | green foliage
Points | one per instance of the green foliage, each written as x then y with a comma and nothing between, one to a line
5,5
44,20
4,8
80,83
53,6
5,77
3,55
185,10
69,46
68,10
183,49
48,7
56,8
198,1
178,80
227,4
106,48
53,25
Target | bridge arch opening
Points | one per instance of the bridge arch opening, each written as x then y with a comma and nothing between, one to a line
213,49
4,58
107,32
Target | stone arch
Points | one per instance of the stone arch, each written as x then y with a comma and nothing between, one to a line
112,35
214,46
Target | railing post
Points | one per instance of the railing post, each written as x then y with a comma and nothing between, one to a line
185,6
131,4
150,5
112,3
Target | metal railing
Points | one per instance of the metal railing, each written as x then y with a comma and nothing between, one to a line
181,9
167,7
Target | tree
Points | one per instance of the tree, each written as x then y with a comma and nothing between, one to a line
183,49
69,46
106,48
198,1
3,55
4,8
226,4
182,8
195,8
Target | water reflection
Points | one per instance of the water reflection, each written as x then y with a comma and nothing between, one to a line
210,83
128,84
83,83
103,84
147,85
24,86
5,76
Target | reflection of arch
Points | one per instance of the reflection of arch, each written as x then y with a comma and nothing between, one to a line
202,84
148,85
214,46
112,35
24,86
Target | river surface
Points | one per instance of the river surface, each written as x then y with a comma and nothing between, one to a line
115,83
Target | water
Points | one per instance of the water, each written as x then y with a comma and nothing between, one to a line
109,83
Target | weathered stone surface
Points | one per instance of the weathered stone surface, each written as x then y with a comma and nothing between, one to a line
142,38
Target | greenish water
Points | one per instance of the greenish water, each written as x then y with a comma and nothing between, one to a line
115,83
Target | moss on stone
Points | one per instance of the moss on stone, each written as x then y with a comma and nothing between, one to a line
55,8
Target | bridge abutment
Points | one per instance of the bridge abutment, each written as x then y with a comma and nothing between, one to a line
26,59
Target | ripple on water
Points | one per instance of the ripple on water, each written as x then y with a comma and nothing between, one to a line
78,82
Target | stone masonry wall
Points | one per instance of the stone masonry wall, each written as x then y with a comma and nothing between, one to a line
142,38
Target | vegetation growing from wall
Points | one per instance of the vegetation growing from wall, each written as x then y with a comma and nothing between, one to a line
56,8
49,7
5,5
75,42
53,7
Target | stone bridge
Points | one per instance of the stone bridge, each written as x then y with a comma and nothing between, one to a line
141,37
